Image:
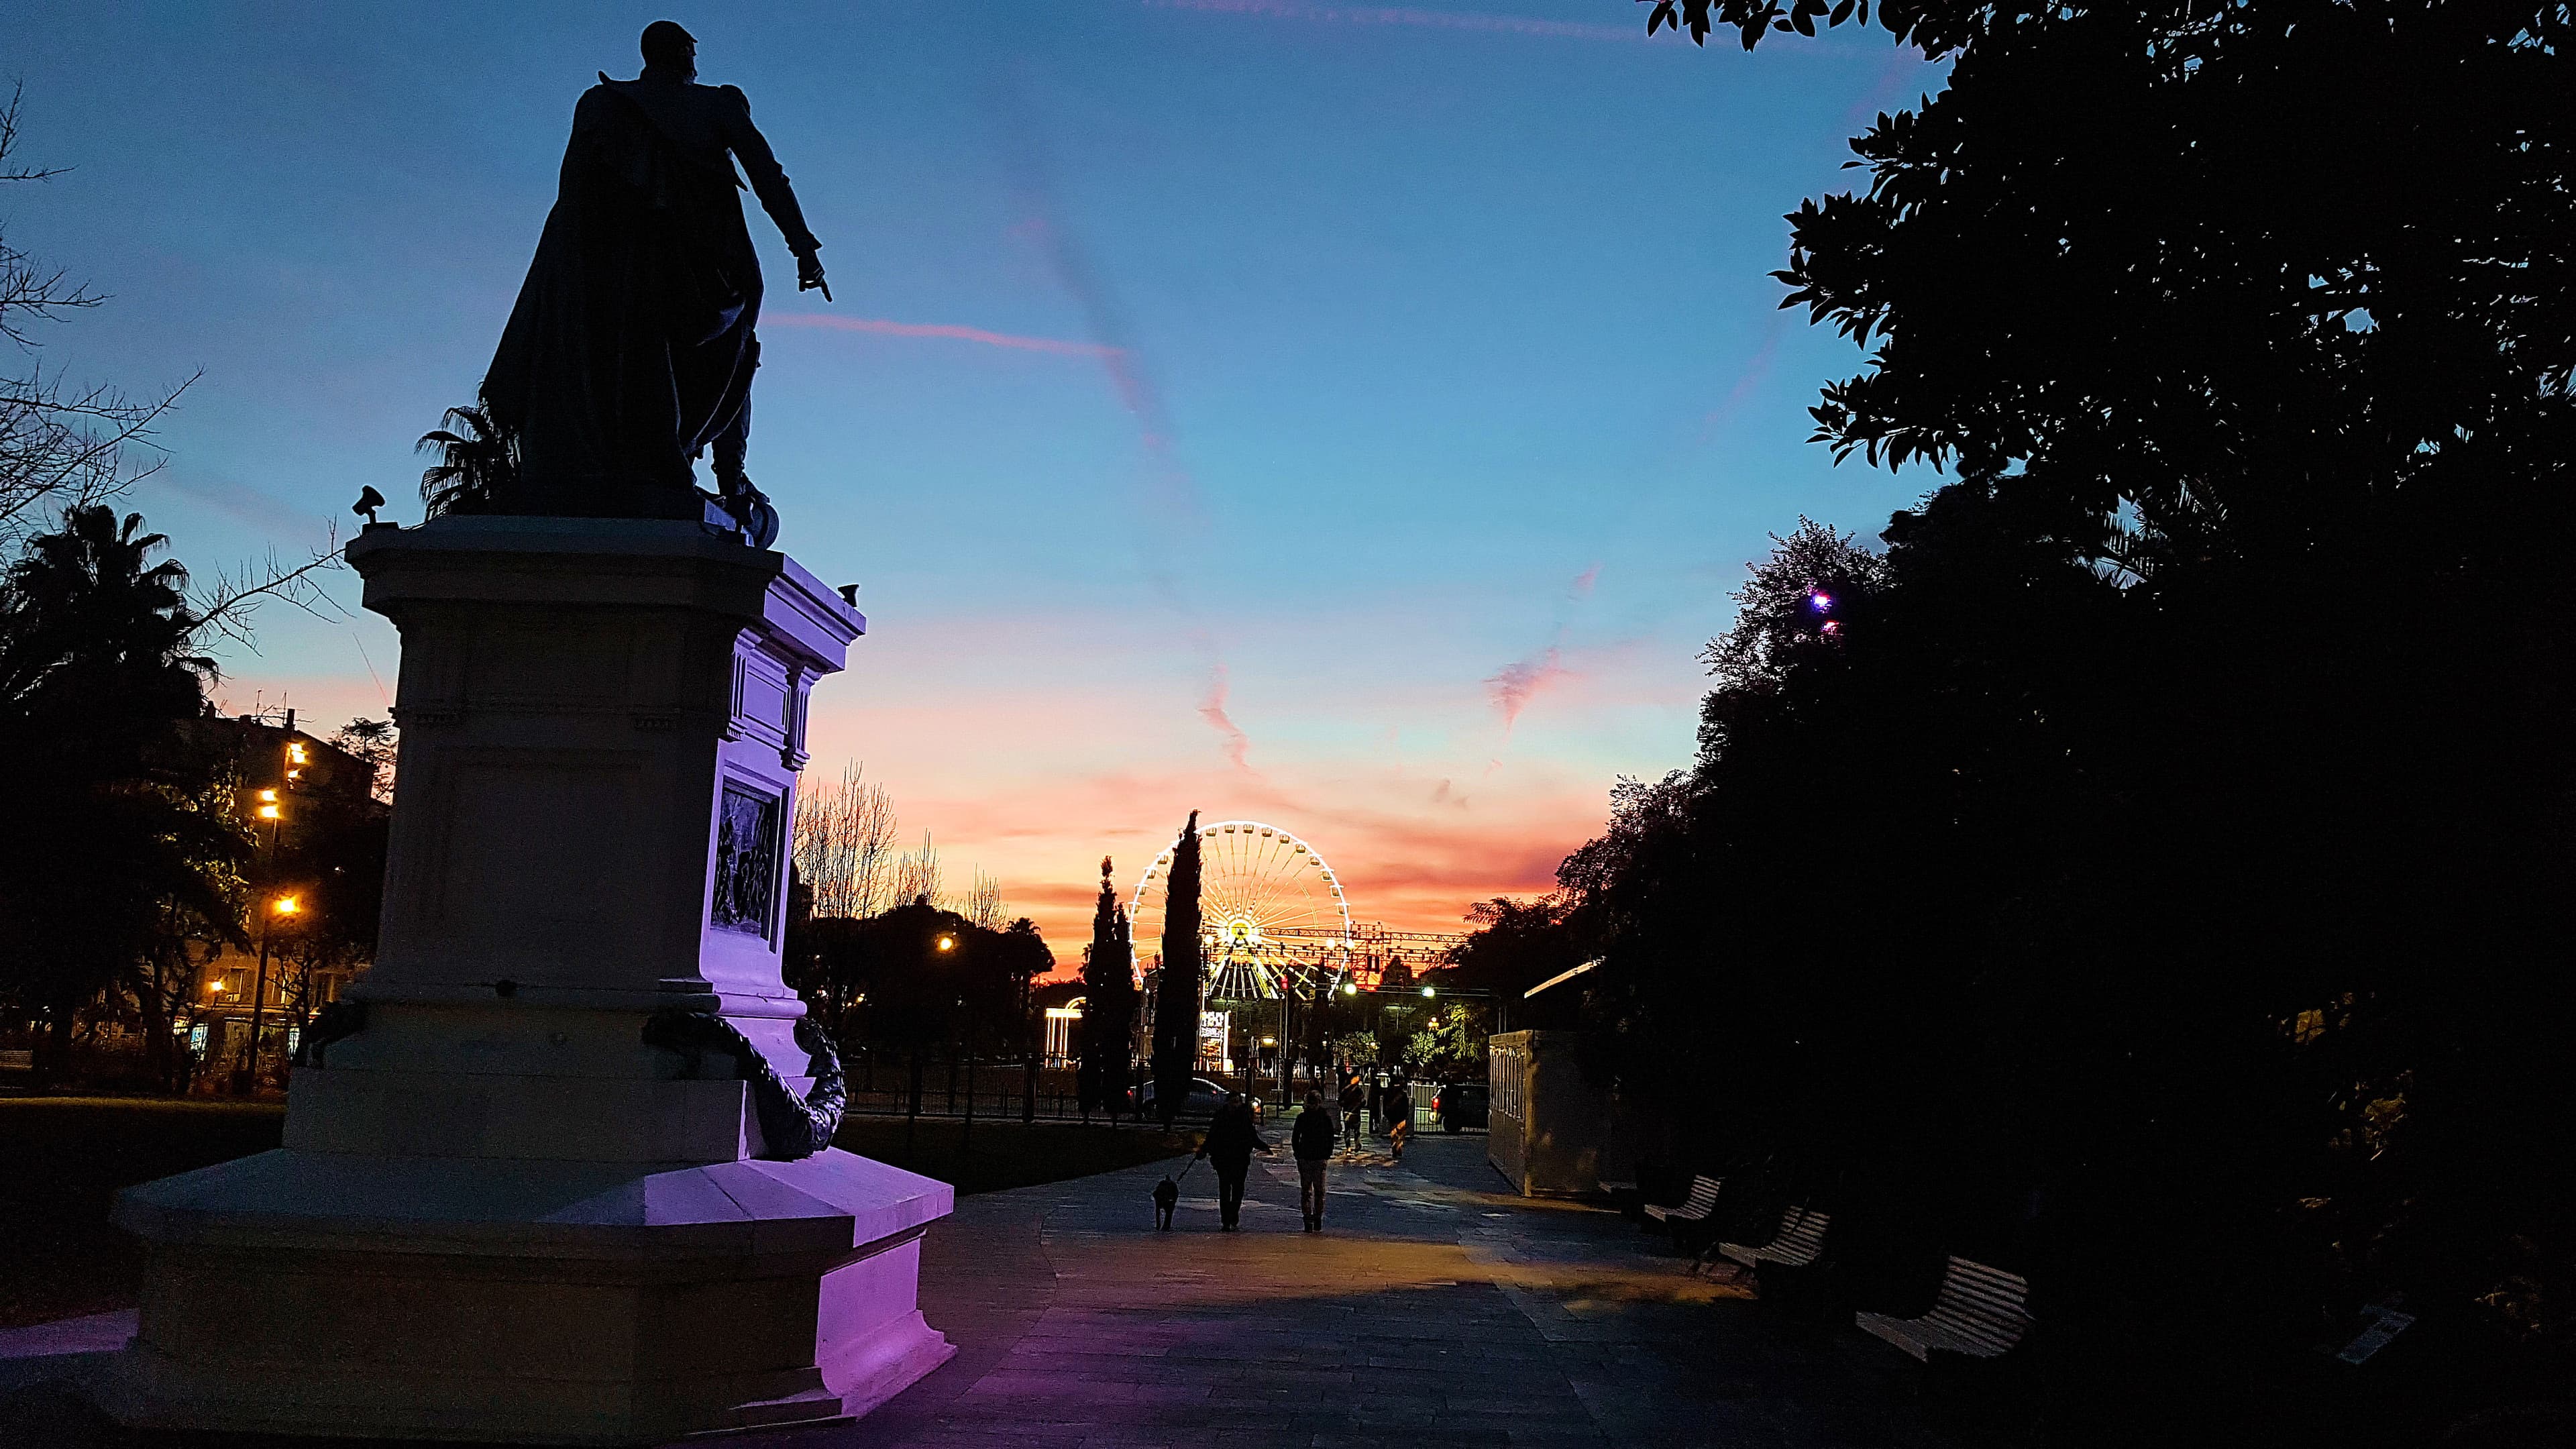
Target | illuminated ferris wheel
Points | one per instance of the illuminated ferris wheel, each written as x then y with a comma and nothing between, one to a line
1269,906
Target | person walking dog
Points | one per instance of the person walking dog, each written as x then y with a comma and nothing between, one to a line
1232,1139
1311,1141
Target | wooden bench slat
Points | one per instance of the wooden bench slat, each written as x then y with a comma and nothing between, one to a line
1996,1306
1753,1255
1702,1202
2012,1291
1979,1312
2000,1334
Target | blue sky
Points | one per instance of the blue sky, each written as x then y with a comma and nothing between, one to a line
1373,405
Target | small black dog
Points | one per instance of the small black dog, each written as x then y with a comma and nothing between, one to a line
1167,1193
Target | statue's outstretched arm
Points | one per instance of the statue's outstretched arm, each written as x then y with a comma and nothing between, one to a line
768,181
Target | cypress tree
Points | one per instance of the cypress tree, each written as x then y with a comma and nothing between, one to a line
1176,1010
1109,1002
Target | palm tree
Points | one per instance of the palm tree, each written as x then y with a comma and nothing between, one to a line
478,463
98,665
90,630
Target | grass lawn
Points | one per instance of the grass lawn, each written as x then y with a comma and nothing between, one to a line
62,1158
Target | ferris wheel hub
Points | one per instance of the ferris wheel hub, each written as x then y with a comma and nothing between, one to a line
1268,901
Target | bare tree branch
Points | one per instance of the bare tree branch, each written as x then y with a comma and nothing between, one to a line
224,610
60,447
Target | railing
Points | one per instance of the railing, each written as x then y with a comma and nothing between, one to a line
993,1090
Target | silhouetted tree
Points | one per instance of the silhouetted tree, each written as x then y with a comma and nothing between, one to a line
1109,1004
1176,1007
2152,885
375,741
845,844
1020,956
478,463
97,667
984,904
1514,946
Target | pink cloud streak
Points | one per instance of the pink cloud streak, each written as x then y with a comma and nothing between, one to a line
1519,682
1237,744
881,327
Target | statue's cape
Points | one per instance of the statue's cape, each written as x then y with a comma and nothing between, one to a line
631,345
661,104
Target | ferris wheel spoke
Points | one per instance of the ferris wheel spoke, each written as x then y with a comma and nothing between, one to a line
1272,874
1269,908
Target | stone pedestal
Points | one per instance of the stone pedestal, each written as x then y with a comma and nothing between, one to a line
498,1214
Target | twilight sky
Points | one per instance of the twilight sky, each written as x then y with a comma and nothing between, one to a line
1349,417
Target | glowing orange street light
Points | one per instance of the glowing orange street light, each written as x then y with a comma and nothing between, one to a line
948,943
286,905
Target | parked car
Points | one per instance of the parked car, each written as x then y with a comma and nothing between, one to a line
1461,1105
1200,1103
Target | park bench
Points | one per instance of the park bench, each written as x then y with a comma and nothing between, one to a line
1693,1209
1979,1312
1800,1238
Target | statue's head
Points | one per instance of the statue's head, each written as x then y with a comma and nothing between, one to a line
668,47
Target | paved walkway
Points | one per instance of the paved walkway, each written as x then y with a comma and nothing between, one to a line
1435,1309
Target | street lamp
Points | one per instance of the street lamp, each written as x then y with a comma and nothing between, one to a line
1427,991
948,943
279,906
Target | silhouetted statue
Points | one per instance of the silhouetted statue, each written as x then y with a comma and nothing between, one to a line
631,349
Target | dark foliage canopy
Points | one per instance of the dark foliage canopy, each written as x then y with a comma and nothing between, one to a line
2154,879
122,830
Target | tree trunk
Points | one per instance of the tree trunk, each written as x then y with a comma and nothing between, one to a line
54,1049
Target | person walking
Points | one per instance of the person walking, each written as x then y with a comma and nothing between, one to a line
1311,1142
1232,1139
1354,1097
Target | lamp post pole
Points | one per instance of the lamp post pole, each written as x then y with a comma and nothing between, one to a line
248,1082
276,907
1287,1049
